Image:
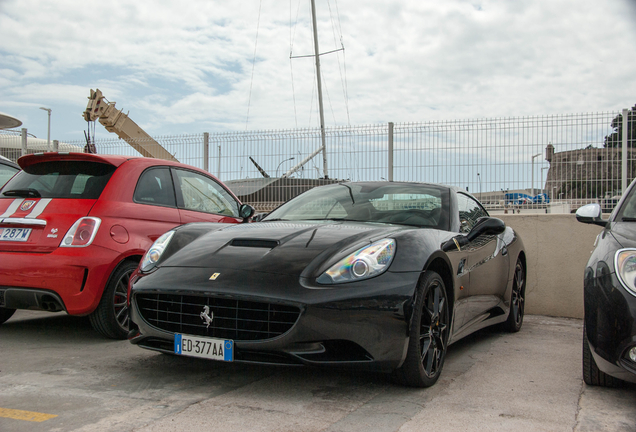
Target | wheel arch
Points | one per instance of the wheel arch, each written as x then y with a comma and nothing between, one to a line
440,266
135,258
520,256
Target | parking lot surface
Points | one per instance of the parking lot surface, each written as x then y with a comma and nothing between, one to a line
57,374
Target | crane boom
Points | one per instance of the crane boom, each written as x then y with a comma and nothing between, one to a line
116,121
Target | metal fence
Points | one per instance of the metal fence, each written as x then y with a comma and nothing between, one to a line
552,163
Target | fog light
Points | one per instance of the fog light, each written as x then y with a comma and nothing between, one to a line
632,354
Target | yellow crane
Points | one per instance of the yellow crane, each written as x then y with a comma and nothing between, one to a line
118,122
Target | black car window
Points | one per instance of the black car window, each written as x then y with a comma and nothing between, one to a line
469,212
155,187
200,193
61,179
6,172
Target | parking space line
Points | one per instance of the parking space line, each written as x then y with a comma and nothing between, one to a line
25,415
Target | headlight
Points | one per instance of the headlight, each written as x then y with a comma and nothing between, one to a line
365,263
625,264
152,257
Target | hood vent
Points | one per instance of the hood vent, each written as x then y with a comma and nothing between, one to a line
255,243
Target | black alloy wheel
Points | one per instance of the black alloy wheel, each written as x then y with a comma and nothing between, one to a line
428,341
517,299
112,317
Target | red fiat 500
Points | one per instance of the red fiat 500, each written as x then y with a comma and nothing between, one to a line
73,227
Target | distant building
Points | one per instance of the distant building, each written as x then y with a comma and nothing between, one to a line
590,173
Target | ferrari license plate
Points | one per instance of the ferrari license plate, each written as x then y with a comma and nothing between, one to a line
15,234
203,347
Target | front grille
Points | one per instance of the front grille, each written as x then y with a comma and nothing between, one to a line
238,320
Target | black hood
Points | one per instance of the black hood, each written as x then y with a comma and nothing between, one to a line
289,248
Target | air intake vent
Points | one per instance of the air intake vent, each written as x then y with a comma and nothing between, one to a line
255,243
231,319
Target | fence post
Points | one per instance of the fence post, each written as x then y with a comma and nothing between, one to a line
23,136
218,170
625,152
206,150
390,151
56,145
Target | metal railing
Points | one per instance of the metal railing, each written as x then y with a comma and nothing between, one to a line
541,163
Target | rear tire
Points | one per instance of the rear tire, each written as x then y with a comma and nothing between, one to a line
517,299
428,339
5,314
592,375
111,318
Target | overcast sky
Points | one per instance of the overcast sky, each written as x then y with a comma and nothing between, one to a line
188,67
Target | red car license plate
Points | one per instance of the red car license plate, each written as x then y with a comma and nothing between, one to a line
15,234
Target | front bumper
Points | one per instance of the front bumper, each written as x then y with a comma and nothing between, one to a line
610,320
363,323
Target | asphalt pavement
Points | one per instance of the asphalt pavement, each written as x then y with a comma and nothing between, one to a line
56,374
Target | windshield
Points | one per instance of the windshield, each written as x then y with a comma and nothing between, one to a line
396,203
627,212
60,179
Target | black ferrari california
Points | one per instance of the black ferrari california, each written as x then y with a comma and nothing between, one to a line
377,275
609,295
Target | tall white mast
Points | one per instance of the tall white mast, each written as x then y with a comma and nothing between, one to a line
322,115
323,148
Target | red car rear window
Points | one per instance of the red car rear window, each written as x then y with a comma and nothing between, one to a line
60,179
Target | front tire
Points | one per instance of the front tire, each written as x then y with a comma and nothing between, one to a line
428,340
592,375
111,318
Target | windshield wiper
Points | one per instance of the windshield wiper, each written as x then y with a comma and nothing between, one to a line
628,219
344,220
24,193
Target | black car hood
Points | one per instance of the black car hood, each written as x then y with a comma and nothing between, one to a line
625,233
290,248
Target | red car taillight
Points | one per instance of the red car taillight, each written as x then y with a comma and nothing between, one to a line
81,233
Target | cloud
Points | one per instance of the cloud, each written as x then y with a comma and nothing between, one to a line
199,66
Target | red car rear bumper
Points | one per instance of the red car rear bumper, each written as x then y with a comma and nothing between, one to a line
76,275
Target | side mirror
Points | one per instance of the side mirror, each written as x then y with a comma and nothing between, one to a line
591,214
245,212
484,226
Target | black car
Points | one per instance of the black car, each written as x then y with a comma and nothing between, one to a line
380,276
7,170
609,331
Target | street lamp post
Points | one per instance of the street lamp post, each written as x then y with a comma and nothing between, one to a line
543,184
48,133
291,158
479,178
537,155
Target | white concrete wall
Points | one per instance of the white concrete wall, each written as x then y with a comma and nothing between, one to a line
557,249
